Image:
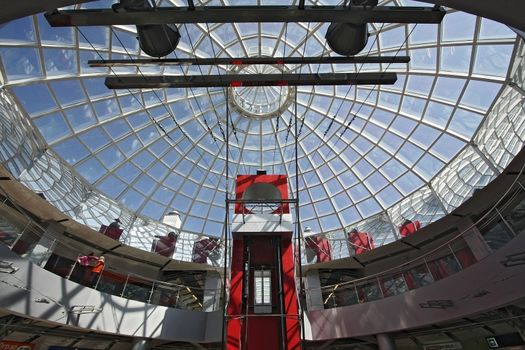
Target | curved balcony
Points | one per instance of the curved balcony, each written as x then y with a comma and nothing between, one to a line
64,302
466,263
27,237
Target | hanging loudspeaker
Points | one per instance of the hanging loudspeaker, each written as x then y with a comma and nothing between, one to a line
347,39
158,40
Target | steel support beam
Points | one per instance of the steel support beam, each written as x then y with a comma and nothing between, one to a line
509,12
246,14
240,80
248,60
17,9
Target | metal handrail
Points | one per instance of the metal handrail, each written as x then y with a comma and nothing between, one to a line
404,267
155,283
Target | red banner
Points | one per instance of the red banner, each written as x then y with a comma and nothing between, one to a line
14,345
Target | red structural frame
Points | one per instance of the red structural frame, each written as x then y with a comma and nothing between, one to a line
245,181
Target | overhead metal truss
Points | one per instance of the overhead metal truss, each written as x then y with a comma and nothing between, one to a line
246,14
238,80
248,60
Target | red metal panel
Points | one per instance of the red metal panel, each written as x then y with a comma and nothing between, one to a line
164,245
14,345
291,309
202,249
361,242
233,339
465,257
263,333
245,181
111,232
320,246
409,228
262,251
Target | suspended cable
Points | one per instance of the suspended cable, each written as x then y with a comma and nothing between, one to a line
225,228
350,87
280,94
355,114
130,92
311,96
201,155
154,121
347,126
219,73
207,89
225,92
306,181
300,72
298,133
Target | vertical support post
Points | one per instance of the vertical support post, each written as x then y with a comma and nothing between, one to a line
314,297
380,288
211,286
506,223
455,257
281,292
227,207
177,297
385,342
125,285
298,222
140,344
405,280
98,280
428,269
473,238
72,268
21,234
151,292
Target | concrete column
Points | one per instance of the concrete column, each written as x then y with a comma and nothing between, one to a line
140,344
473,238
385,342
312,284
212,292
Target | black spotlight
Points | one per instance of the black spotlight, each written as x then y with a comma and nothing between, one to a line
156,40
347,39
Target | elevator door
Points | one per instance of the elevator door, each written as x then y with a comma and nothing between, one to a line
263,306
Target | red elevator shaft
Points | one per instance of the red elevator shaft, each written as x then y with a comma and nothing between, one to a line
262,313
263,309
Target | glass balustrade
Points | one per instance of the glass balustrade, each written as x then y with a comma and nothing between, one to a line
29,240
497,227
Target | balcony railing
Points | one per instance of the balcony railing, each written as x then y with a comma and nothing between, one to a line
498,226
28,239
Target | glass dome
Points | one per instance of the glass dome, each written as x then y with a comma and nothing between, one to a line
362,150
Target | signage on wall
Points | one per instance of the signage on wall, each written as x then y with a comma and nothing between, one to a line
15,345
504,340
444,346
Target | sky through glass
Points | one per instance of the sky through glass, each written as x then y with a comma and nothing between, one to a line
361,149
